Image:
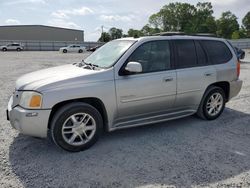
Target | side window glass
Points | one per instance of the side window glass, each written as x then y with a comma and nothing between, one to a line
201,55
217,51
153,56
186,55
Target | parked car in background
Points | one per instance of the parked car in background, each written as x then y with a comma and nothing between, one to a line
240,53
12,47
93,48
73,48
126,83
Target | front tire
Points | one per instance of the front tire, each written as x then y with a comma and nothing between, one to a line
4,49
65,51
18,49
80,51
76,127
212,104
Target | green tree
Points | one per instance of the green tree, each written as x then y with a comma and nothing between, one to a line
147,30
115,33
204,22
227,24
174,17
236,35
134,33
246,24
105,37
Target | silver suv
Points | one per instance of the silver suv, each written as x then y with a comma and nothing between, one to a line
126,83
11,47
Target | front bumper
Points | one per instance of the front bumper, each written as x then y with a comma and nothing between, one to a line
29,122
235,87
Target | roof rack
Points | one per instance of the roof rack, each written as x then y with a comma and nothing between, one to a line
182,33
169,33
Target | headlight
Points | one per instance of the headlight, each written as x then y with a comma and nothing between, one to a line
31,100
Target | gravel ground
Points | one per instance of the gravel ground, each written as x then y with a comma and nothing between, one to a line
187,152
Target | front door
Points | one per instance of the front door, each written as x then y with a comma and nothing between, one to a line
151,92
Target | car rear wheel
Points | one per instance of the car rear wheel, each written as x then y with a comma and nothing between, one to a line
76,127
65,51
80,51
212,104
18,49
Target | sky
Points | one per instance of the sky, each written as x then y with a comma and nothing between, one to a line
90,15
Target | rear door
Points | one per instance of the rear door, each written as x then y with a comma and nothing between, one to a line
194,73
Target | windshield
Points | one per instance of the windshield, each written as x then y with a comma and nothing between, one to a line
109,53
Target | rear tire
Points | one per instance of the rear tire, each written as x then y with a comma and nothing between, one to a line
212,103
18,49
76,127
80,51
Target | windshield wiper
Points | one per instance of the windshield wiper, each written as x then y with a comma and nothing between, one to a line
90,65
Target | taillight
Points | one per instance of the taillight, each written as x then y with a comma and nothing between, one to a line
238,69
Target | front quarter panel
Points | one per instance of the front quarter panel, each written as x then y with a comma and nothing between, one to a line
103,90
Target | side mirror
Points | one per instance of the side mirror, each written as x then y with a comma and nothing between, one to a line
133,67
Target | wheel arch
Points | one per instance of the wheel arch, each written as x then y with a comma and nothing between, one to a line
95,102
225,85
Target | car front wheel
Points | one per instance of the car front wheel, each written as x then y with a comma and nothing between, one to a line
4,49
212,104
76,127
65,51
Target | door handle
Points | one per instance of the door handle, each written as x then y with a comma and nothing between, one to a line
168,79
208,74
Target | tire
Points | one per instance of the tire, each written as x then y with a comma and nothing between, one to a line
209,110
80,51
73,136
4,49
18,49
65,51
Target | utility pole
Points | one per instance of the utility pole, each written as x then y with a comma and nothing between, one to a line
102,33
83,35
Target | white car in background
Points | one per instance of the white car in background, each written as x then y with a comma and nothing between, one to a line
12,47
73,48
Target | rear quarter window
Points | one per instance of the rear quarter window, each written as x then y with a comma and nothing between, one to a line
217,51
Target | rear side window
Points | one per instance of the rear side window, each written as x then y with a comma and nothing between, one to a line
217,51
186,54
202,59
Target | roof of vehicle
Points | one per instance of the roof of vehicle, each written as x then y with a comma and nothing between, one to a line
199,37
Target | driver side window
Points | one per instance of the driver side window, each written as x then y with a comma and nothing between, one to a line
154,56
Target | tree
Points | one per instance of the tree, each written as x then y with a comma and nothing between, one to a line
246,24
174,17
147,30
204,22
105,37
115,33
134,33
227,24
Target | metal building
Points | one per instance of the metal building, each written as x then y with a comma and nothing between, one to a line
40,33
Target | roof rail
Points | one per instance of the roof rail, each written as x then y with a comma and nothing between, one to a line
169,33
182,33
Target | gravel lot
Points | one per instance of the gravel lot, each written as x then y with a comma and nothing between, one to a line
187,152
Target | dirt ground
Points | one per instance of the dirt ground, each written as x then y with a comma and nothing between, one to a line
187,152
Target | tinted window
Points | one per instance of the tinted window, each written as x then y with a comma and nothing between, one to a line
217,51
153,56
186,55
201,55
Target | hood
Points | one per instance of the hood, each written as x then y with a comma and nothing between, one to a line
55,77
